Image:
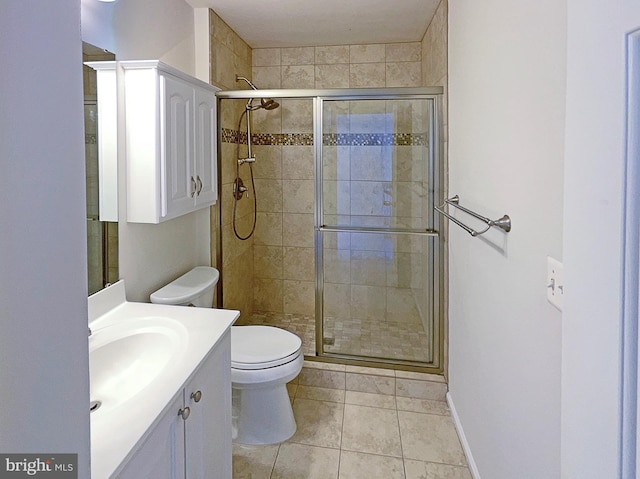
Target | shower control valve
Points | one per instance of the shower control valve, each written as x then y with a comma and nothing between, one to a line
246,160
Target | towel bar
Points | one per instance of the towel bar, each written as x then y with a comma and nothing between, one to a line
503,223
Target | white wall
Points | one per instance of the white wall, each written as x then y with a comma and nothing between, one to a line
506,146
151,255
44,387
594,179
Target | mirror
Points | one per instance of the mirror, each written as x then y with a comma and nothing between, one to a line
102,236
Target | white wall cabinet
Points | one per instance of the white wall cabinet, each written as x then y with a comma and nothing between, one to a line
170,125
193,438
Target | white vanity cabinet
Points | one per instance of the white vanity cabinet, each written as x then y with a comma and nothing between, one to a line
192,439
170,125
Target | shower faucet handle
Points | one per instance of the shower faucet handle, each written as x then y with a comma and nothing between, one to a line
246,160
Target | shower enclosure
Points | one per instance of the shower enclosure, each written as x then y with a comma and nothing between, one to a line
366,242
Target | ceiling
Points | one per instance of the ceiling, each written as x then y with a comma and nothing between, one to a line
297,23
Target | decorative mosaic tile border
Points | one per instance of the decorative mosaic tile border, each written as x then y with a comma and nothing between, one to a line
328,139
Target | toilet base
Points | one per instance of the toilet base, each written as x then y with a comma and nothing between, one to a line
262,416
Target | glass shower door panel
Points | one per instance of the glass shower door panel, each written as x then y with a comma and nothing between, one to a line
377,261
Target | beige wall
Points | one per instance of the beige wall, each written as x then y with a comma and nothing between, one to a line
230,55
341,66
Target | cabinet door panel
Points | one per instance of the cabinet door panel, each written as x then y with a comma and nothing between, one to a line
208,429
177,168
162,454
206,152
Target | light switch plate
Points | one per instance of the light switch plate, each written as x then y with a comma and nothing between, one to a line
555,282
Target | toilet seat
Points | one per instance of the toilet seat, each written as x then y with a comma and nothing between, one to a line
262,347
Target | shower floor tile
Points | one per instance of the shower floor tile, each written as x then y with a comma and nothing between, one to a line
390,338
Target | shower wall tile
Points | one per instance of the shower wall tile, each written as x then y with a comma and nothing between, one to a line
336,162
333,54
337,300
297,56
299,230
298,163
367,75
332,76
269,229
264,121
298,76
267,77
267,262
404,74
265,57
337,265
269,192
267,294
298,196
367,302
268,161
368,268
297,116
403,52
299,297
298,263
367,53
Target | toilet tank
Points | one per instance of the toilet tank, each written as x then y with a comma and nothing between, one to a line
195,287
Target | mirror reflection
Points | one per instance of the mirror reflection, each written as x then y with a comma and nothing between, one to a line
102,236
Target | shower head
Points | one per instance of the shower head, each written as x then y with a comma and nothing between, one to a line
269,104
265,103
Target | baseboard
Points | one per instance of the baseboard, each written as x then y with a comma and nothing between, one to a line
463,439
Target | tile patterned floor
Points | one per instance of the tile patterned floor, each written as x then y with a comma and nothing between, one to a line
361,423
399,337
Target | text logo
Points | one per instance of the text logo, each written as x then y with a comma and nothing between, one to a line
45,466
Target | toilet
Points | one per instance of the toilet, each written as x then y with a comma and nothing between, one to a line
263,360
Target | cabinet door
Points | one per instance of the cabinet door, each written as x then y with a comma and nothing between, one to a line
206,151
208,429
161,456
177,175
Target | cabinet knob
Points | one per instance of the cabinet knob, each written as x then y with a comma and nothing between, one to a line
196,396
184,413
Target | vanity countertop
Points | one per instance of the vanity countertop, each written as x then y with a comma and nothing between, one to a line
116,432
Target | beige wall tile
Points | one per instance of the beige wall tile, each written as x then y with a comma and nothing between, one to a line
298,163
298,196
367,302
367,75
333,54
403,52
297,56
404,74
297,116
298,263
299,297
267,262
269,229
268,161
367,53
298,229
268,195
368,268
332,76
298,76
265,57
337,265
267,294
337,300
266,77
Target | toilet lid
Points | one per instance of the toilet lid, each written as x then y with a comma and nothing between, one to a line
261,347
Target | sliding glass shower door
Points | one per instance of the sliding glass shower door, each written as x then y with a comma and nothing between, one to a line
376,244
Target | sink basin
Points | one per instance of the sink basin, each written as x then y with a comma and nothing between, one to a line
126,357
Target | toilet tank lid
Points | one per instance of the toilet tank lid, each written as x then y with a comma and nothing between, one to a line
187,287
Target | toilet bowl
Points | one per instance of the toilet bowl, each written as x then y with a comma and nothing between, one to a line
263,360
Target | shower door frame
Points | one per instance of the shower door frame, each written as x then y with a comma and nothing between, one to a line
436,190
